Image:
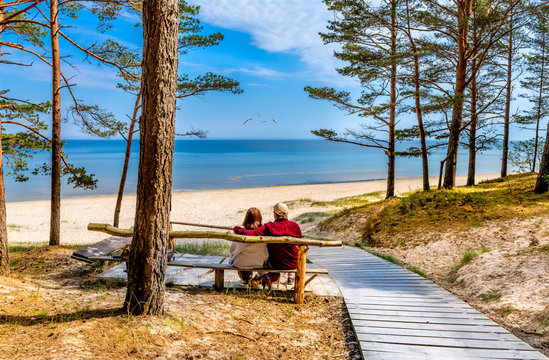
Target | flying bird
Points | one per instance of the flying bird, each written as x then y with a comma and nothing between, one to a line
244,123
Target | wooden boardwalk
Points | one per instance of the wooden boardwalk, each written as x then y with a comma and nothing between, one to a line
397,314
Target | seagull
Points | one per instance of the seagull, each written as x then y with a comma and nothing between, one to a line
244,123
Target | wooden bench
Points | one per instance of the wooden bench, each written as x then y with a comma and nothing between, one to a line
219,269
302,244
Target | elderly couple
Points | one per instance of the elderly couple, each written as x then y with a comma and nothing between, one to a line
270,256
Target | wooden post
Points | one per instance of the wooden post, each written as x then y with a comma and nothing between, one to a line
219,279
299,289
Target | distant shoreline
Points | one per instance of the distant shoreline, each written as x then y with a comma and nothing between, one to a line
432,179
28,221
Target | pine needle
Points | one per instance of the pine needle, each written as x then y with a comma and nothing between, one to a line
230,333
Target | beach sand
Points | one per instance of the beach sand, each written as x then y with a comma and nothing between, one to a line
28,221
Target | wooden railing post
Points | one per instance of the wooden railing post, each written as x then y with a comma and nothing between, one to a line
299,290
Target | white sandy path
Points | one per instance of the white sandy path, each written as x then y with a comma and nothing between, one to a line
29,221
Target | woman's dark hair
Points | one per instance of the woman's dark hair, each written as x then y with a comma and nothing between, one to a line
253,219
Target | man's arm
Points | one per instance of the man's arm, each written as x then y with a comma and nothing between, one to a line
260,231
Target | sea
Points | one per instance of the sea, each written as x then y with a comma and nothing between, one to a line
225,164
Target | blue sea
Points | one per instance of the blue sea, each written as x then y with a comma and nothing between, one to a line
225,164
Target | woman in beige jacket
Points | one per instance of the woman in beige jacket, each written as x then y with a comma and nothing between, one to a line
250,256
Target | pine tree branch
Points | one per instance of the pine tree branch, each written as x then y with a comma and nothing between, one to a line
11,16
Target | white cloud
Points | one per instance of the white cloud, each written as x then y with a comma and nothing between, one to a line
288,26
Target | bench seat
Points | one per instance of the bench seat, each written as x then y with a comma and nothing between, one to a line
218,268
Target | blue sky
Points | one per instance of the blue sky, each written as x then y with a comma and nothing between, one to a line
271,47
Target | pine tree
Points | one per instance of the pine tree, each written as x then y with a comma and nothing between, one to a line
537,80
147,263
369,36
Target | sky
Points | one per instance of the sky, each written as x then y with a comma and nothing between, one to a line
272,47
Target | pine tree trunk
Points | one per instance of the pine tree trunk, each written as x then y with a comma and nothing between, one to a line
507,117
417,98
392,110
540,101
147,263
473,133
126,162
541,183
462,23
4,253
55,215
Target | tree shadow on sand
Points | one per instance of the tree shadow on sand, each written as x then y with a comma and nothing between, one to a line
80,315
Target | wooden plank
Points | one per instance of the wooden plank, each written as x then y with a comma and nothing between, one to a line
456,334
432,314
230,267
419,319
417,309
447,353
103,247
475,328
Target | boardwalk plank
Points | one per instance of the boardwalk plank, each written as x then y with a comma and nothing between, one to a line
438,353
397,314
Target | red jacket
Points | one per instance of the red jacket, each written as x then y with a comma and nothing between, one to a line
281,256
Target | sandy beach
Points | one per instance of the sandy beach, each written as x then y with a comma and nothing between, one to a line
28,221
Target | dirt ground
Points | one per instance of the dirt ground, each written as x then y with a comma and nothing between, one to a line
54,308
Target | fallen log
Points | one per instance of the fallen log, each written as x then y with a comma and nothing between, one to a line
229,235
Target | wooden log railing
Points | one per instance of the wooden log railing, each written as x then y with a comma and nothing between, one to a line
303,246
227,235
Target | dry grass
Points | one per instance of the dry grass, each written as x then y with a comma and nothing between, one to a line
54,308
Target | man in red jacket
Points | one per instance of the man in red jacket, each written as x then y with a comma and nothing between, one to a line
281,256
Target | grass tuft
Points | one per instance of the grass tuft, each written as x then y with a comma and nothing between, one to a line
386,257
214,248
505,311
490,296
466,258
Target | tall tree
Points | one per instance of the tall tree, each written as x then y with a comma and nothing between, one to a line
537,80
449,23
369,36
147,263
55,205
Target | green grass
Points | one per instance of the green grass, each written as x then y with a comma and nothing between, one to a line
386,257
466,258
395,261
204,248
312,216
490,296
24,246
505,311
356,200
461,207
416,270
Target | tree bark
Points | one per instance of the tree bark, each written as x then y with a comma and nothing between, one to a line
55,215
126,162
473,133
417,98
540,101
4,253
463,15
507,116
541,182
147,262
392,109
